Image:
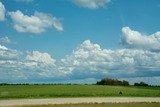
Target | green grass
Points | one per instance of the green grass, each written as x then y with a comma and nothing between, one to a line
101,105
50,91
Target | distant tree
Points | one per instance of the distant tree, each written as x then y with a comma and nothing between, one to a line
136,84
141,84
107,81
125,83
1,84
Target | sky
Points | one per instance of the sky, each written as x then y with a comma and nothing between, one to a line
79,41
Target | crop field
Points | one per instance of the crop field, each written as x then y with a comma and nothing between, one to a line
143,104
54,91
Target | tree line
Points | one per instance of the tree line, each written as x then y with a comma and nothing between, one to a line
141,84
108,81
116,82
104,81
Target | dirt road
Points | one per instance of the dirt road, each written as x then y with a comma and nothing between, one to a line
8,103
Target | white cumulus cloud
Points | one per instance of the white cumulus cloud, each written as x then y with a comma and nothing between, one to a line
2,12
3,47
137,40
17,67
6,40
36,23
91,4
8,54
40,57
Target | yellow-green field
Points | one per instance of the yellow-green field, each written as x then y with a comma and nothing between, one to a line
101,105
51,91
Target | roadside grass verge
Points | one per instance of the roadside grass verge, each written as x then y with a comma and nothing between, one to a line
142,104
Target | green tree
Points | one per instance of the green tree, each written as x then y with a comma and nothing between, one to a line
107,81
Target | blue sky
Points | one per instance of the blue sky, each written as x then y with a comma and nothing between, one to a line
45,37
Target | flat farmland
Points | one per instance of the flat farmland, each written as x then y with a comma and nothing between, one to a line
55,91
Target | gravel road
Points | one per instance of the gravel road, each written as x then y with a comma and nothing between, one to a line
9,103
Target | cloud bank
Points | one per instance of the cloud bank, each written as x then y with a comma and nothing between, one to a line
91,4
36,23
87,62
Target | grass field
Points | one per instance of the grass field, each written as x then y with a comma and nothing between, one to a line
101,105
48,91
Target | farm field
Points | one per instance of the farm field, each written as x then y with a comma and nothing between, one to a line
54,91
143,104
